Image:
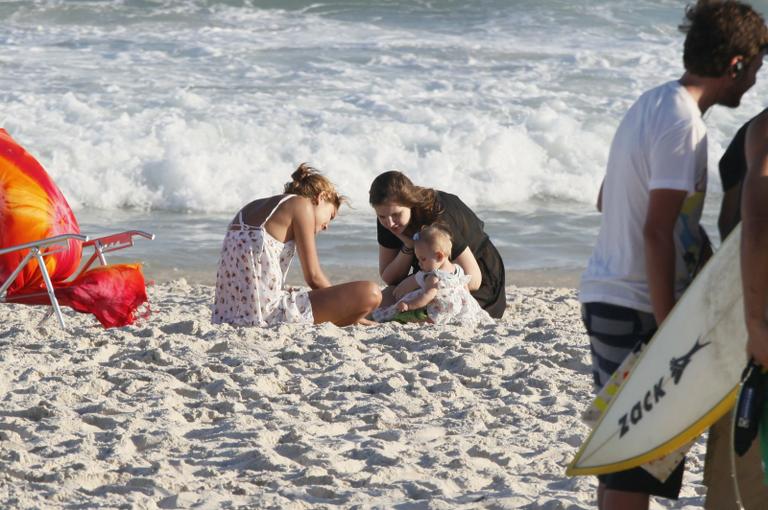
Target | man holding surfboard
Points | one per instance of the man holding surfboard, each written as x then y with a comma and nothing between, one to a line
650,242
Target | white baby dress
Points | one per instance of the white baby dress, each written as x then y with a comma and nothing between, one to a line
453,303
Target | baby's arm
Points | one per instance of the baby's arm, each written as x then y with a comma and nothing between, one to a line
409,284
424,298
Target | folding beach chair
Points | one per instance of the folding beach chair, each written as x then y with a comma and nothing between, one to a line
41,249
37,250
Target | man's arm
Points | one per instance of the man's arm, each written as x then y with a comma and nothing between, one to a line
754,239
664,207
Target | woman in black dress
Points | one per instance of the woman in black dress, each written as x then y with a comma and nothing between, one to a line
402,208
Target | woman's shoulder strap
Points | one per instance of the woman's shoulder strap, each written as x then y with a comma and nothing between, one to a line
282,200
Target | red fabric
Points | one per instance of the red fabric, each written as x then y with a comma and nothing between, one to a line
33,208
113,294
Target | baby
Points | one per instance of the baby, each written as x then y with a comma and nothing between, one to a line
443,285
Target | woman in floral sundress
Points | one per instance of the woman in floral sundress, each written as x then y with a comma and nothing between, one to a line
257,251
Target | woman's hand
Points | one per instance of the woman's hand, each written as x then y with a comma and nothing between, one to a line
402,306
406,239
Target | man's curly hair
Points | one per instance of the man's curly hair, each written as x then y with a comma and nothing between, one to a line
718,30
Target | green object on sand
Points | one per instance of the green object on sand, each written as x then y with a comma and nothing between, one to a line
419,315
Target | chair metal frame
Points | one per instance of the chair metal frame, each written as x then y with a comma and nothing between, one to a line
43,247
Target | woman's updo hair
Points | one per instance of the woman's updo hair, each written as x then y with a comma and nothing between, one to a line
310,183
395,187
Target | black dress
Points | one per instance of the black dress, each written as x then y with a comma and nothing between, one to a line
733,164
467,230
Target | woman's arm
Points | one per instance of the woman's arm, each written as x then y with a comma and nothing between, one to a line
394,265
754,240
468,263
729,211
303,223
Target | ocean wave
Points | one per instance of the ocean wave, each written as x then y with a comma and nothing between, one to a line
203,106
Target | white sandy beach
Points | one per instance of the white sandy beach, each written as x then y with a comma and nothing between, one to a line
178,413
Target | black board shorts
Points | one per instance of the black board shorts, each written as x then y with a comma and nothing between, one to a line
614,332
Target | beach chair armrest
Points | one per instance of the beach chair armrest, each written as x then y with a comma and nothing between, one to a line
114,242
109,243
44,243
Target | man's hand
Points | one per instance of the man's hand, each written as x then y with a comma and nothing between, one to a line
757,345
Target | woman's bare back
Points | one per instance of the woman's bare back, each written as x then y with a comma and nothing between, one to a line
256,213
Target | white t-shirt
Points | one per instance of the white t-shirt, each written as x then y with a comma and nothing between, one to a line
660,144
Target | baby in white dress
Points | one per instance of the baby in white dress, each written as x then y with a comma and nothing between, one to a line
443,287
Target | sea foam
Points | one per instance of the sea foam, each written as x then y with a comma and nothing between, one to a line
203,106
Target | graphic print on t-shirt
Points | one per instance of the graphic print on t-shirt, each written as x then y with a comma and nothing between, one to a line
688,230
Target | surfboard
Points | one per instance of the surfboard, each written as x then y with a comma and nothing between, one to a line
683,381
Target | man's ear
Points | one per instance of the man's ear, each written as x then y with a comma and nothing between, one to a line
736,66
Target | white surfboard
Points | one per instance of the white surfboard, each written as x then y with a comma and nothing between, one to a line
685,379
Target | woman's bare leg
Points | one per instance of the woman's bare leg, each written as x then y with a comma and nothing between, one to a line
346,303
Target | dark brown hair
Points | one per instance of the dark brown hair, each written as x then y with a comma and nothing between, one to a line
394,187
308,182
716,31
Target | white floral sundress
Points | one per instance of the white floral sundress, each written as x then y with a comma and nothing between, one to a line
453,303
250,281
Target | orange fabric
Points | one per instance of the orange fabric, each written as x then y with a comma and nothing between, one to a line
33,208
